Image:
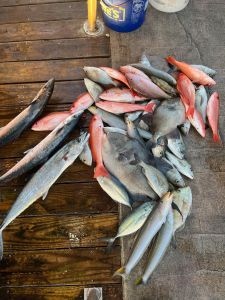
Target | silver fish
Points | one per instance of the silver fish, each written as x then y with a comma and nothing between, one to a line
133,132
98,75
181,164
152,225
93,89
43,179
183,199
134,115
164,86
167,117
201,101
205,69
114,129
173,175
151,71
157,148
185,127
159,248
133,222
156,179
42,150
14,128
176,144
86,156
114,189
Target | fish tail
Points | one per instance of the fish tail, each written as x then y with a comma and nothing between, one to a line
110,243
120,272
100,170
216,138
1,245
150,107
138,281
171,60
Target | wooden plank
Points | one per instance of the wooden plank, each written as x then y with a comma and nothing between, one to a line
69,266
55,49
55,232
63,199
29,2
41,30
110,292
43,12
33,71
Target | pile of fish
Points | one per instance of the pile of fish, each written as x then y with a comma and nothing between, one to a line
140,115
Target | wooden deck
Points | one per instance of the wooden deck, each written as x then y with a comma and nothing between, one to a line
54,250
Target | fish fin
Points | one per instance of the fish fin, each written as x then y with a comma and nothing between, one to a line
101,171
28,150
175,206
120,272
1,245
150,107
171,60
110,243
138,281
45,195
216,138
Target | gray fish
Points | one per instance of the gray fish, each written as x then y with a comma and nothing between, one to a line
157,148
119,155
173,175
164,86
14,128
156,179
152,225
185,127
134,115
205,69
114,129
86,156
114,189
98,75
176,144
116,121
181,164
133,132
151,71
133,222
167,117
159,248
183,199
42,150
201,101
93,89
42,180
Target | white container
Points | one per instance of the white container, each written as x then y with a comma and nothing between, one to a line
169,6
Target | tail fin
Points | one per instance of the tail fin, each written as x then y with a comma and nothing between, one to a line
150,107
110,243
138,281
120,272
1,245
171,60
101,171
216,138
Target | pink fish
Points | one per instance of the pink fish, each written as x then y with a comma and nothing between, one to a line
197,121
120,108
50,121
187,92
194,74
96,138
129,69
121,95
82,102
113,73
213,115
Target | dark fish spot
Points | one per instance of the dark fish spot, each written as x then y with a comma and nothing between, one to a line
65,158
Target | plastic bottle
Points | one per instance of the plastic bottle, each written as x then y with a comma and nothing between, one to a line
169,6
124,15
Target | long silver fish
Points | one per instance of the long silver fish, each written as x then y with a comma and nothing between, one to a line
42,150
205,69
42,180
114,189
133,222
176,144
173,175
93,89
201,101
156,179
115,129
152,225
98,75
181,164
183,199
86,156
14,128
159,248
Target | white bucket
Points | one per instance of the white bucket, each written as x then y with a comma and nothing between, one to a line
169,6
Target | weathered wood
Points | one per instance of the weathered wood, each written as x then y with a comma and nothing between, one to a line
110,292
69,266
64,199
29,2
55,232
31,71
43,12
57,49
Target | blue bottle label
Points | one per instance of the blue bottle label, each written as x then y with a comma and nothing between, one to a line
114,12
